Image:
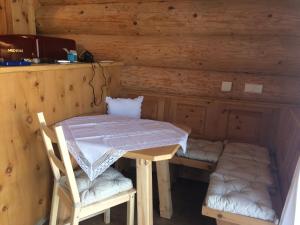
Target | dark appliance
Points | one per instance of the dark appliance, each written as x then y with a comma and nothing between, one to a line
47,49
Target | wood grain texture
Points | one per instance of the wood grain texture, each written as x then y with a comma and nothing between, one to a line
208,83
251,54
25,172
23,16
168,44
17,17
165,17
214,119
3,17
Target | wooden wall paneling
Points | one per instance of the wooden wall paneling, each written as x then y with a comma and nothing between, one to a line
25,176
190,113
214,119
3,18
244,125
23,16
164,17
221,120
286,143
153,107
249,124
17,17
276,55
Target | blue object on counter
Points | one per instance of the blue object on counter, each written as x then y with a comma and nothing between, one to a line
15,63
72,56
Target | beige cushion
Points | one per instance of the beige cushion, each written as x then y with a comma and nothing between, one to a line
202,150
109,183
245,169
247,151
239,196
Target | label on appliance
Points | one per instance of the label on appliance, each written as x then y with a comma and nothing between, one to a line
15,50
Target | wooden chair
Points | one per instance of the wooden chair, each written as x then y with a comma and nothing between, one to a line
70,194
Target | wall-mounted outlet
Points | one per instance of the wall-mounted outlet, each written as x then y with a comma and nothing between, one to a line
226,86
253,88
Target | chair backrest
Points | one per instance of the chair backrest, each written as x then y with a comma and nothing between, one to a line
58,165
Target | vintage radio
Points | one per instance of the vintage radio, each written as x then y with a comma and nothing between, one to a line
47,49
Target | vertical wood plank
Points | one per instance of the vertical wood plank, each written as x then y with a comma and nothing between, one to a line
17,17
144,192
25,180
3,20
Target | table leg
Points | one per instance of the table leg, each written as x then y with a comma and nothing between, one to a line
144,192
164,189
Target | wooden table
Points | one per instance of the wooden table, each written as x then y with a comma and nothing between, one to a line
144,159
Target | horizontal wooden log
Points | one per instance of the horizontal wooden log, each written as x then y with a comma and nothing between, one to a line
76,2
207,83
253,54
170,17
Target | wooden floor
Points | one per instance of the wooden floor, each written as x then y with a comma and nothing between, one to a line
187,197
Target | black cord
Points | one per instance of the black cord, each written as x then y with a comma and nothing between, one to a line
105,81
102,86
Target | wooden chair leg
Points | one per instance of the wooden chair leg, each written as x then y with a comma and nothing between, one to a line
107,216
130,210
75,216
54,205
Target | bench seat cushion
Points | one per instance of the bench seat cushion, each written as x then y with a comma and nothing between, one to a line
245,169
109,183
239,196
247,151
203,150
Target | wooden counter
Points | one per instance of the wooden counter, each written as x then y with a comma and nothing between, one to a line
60,91
45,67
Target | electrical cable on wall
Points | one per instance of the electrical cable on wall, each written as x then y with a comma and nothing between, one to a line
102,86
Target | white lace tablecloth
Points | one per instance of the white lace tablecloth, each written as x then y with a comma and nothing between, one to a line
96,142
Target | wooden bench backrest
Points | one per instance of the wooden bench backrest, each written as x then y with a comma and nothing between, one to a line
213,119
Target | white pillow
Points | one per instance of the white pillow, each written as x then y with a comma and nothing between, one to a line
125,106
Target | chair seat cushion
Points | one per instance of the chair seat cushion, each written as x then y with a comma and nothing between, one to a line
109,183
203,150
239,196
245,169
247,151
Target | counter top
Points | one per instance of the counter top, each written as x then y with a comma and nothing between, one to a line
43,67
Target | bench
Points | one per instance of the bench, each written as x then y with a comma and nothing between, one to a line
200,154
239,189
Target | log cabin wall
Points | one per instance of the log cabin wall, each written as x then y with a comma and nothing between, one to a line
168,44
